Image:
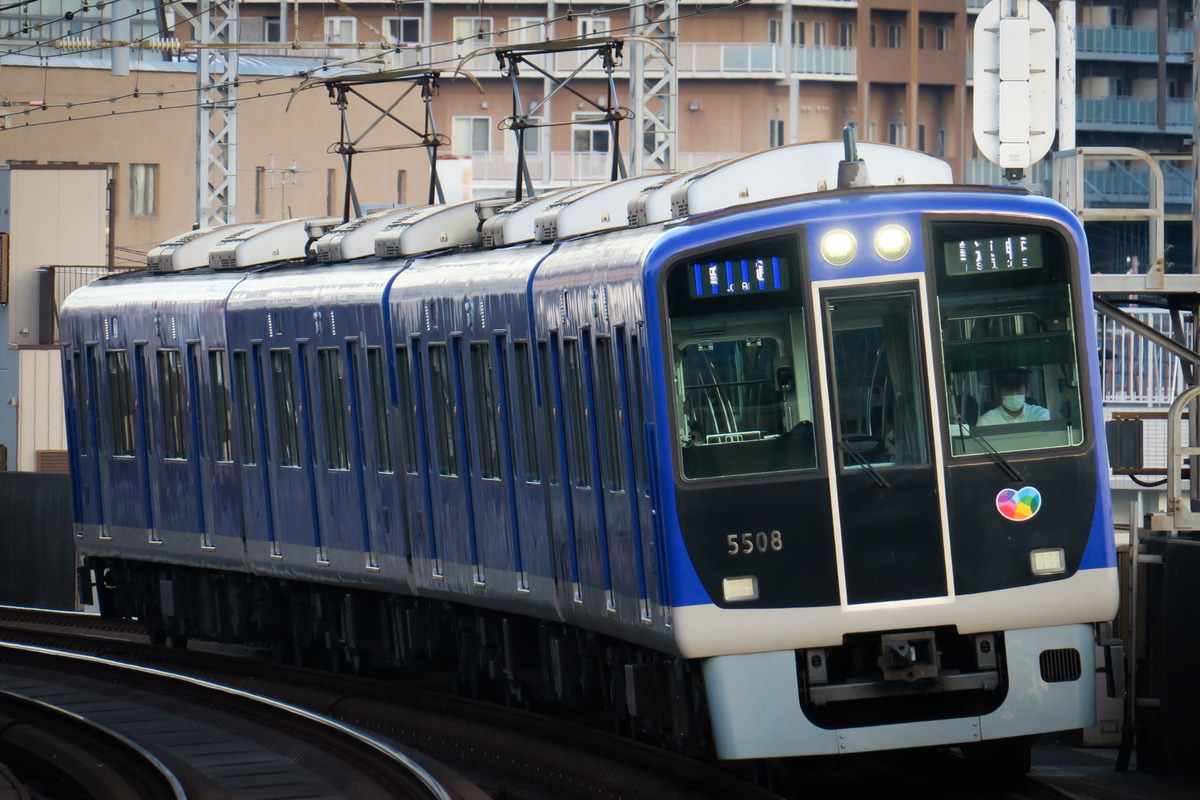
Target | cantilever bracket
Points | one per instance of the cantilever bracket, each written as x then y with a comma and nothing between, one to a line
341,88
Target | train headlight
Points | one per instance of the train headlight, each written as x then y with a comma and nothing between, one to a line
838,248
741,588
1048,561
892,242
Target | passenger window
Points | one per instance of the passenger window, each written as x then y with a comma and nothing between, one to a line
246,403
379,409
485,410
408,409
82,407
222,410
740,367
578,466
286,420
445,433
170,398
333,404
608,415
521,356
120,402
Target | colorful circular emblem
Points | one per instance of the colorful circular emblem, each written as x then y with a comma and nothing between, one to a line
1019,504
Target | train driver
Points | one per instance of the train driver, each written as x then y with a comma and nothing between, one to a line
1013,406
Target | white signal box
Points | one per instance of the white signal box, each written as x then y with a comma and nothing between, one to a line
1014,82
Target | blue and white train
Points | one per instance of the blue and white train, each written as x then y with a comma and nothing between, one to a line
709,449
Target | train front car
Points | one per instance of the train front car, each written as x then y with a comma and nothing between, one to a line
884,469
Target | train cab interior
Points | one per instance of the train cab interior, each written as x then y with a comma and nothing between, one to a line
1022,346
742,388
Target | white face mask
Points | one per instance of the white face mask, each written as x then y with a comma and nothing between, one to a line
1013,402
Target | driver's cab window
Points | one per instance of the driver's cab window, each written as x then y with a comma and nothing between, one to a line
739,366
1009,344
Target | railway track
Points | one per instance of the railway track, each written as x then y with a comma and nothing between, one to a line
92,727
510,753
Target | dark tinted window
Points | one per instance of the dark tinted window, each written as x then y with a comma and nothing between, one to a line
218,367
171,404
379,409
333,404
286,420
120,402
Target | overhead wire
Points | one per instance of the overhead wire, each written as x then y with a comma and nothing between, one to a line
301,73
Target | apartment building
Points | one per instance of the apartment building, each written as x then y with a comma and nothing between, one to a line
899,69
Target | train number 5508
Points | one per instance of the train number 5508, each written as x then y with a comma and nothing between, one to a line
746,543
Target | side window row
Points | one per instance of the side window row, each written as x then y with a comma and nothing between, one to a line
615,361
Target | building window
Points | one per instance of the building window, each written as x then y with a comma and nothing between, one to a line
921,136
593,138
820,33
775,31
872,132
594,26
895,33
401,185
896,134
872,35
943,37
473,33
402,30
272,30
920,37
143,190
776,132
526,30
470,135
341,30
846,34
941,142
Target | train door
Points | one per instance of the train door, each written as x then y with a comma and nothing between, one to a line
889,515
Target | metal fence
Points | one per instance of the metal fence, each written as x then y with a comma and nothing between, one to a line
1133,370
54,284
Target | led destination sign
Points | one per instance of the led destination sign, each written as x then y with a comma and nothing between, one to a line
1001,254
730,277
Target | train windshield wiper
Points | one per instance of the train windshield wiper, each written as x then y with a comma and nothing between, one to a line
880,481
1000,460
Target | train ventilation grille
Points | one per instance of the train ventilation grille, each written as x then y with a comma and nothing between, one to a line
1060,666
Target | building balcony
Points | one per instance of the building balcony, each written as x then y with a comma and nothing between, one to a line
1125,43
1132,114
692,59
494,173
1119,185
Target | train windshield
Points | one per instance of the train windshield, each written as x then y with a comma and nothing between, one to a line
741,380
1009,343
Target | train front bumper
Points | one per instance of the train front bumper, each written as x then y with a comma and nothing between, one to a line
755,704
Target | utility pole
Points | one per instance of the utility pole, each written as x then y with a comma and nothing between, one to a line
216,117
654,86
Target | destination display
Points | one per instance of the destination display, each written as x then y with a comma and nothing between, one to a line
727,278
1000,254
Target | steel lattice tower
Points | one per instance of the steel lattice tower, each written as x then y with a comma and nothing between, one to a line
654,86
216,27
